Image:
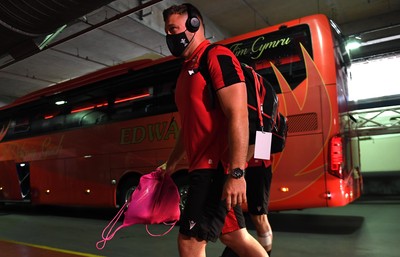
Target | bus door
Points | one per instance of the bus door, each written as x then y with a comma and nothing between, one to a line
14,181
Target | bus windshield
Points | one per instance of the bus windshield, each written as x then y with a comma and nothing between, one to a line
281,48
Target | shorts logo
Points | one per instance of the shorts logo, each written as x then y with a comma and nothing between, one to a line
191,224
259,208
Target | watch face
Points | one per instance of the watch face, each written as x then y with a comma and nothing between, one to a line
237,173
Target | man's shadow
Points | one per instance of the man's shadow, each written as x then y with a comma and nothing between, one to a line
311,223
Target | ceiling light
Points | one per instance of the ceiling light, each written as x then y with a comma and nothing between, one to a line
60,102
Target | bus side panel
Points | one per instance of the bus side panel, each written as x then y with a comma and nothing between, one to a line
143,133
142,144
323,57
48,183
302,176
300,167
73,167
342,191
9,183
89,181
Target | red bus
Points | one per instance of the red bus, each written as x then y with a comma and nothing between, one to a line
87,141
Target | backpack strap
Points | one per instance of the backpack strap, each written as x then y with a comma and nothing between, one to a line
260,99
259,88
260,93
205,72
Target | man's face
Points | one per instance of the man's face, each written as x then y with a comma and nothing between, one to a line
175,24
178,38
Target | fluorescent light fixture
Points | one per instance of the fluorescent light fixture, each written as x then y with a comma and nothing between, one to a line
353,45
50,37
381,40
354,42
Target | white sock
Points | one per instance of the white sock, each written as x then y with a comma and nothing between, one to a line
265,239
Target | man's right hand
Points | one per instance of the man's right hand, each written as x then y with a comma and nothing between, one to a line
234,192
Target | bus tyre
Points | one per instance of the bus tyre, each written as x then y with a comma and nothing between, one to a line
126,189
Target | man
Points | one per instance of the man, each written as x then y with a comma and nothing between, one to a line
209,136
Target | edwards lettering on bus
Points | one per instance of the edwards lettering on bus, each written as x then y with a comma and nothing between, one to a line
258,47
152,132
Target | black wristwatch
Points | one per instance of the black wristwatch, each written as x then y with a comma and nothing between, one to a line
237,173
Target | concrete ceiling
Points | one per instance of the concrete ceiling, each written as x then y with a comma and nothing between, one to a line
125,30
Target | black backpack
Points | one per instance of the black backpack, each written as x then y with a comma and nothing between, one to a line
262,103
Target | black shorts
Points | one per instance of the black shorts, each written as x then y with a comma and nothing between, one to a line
205,213
258,180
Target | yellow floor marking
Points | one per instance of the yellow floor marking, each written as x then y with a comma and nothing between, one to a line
52,249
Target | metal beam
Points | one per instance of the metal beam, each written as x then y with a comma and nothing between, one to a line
98,25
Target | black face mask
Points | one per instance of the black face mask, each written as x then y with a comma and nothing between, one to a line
177,43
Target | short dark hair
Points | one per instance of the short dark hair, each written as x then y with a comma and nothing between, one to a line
181,9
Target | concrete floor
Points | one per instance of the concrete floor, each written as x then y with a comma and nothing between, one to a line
361,229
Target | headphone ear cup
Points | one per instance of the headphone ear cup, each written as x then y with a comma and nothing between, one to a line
192,24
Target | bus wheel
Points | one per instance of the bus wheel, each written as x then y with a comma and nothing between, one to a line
126,190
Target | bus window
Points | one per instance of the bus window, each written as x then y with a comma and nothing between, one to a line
21,125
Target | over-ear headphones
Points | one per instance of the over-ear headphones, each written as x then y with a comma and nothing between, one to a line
193,22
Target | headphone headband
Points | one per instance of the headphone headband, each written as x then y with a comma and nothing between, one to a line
193,22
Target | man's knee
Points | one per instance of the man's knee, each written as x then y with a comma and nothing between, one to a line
260,219
190,246
261,223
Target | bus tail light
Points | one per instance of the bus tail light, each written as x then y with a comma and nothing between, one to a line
336,156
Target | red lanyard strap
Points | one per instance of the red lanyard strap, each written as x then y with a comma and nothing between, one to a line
260,98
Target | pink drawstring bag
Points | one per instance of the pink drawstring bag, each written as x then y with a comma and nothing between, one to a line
154,201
